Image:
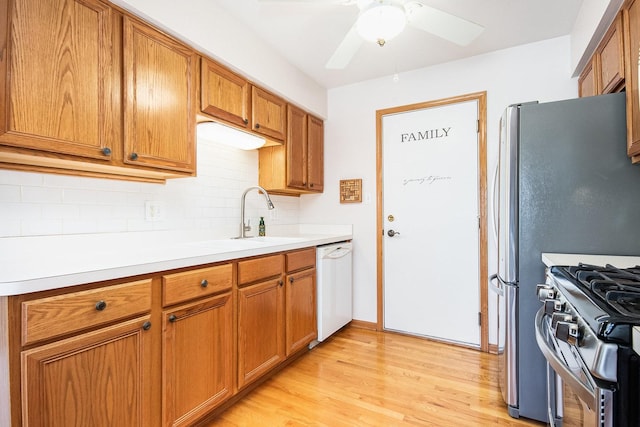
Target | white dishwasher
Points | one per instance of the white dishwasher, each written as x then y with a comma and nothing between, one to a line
334,287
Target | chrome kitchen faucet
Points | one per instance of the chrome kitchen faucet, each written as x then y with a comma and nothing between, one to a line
244,228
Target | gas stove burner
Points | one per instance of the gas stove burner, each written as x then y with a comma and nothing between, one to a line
627,303
616,288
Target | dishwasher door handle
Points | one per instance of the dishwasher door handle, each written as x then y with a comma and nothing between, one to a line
338,253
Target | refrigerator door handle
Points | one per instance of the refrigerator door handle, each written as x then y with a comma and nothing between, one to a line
494,216
496,285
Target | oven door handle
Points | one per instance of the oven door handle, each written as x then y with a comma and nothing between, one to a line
587,395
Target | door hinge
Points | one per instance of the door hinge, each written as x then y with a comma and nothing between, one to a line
478,126
479,318
479,223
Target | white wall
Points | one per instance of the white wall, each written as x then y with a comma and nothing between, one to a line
539,71
209,204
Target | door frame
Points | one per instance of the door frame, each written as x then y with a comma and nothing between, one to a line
481,98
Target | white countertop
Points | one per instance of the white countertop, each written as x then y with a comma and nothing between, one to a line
30,264
550,259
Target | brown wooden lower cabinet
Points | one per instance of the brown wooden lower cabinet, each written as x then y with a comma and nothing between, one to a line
100,378
197,359
260,329
301,325
164,349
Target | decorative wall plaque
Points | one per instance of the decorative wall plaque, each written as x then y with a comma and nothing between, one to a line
350,190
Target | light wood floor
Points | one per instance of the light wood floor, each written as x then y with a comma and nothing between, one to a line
365,378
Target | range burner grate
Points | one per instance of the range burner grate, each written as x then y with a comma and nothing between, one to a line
617,288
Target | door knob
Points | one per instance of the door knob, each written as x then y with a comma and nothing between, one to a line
392,233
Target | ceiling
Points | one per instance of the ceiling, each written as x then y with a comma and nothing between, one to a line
307,32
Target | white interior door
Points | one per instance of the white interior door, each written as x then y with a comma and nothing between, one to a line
430,200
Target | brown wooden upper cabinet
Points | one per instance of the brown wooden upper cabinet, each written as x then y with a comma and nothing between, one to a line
65,64
231,99
224,94
315,154
60,103
269,114
160,102
588,80
605,71
631,26
610,55
298,166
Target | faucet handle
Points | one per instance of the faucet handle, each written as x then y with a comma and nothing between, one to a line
247,226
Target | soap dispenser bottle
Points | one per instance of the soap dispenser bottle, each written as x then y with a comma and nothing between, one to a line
261,227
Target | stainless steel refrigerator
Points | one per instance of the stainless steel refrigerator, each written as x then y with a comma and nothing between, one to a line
564,185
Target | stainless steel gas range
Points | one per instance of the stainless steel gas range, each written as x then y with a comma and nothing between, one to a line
584,330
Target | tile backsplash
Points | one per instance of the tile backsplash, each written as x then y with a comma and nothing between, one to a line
34,204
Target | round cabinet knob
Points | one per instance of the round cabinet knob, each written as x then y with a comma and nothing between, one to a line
134,156
204,283
246,121
101,305
146,325
392,233
172,318
280,283
291,279
106,151
311,185
257,125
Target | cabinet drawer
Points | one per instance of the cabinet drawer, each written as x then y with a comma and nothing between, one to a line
260,268
298,260
54,316
188,285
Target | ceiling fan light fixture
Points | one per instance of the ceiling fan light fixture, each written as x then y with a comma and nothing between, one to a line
381,22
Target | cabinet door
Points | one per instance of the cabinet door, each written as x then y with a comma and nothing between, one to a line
56,67
300,306
296,146
315,154
100,378
611,58
632,48
159,104
587,82
198,359
224,94
260,329
269,114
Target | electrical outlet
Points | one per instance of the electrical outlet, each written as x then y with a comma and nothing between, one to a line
153,210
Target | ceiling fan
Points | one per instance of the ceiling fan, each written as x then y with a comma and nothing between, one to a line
381,20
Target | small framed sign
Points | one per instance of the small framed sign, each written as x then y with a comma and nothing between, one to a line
350,190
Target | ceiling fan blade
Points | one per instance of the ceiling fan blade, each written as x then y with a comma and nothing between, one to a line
346,50
442,24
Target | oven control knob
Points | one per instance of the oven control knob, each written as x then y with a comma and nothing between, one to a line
553,306
545,292
548,307
567,332
560,317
